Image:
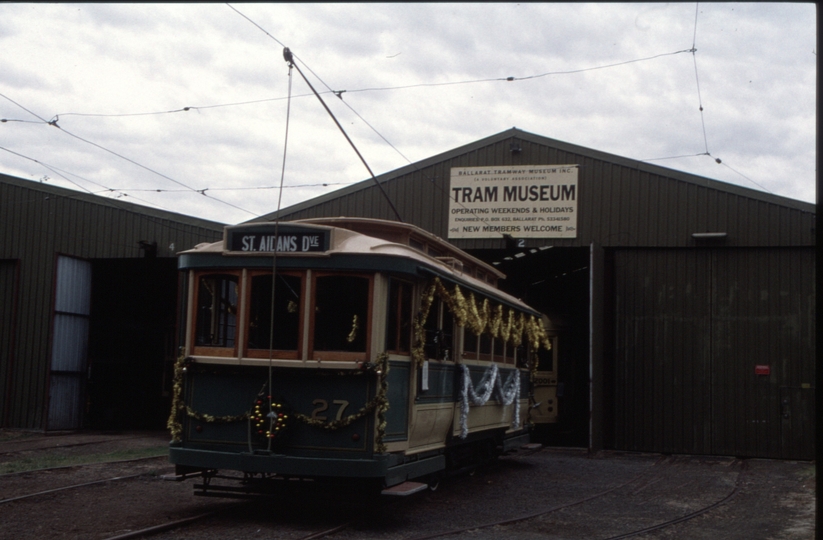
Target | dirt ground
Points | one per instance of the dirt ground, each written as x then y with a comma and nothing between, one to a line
567,493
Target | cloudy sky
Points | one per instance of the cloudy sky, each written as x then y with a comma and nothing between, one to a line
186,107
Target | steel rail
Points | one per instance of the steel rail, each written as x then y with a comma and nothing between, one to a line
189,520
73,486
72,445
659,526
690,515
61,467
164,527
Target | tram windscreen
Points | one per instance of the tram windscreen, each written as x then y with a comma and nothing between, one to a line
216,311
341,313
285,306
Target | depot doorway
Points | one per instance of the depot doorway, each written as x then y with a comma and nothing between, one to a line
132,342
556,282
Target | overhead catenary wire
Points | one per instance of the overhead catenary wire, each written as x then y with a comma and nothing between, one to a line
54,123
247,188
164,223
62,174
287,55
692,50
697,79
125,191
202,192
339,93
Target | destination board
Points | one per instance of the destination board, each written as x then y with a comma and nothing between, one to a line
271,239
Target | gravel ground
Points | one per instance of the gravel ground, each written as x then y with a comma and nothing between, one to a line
565,493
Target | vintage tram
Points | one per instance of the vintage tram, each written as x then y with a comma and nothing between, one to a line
346,349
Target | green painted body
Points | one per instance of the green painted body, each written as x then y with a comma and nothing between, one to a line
225,403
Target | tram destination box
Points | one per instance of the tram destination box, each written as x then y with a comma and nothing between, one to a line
270,238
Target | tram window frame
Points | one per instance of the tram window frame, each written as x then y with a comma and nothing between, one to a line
471,348
439,330
500,351
341,355
399,325
547,360
523,353
265,352
486,348
212,349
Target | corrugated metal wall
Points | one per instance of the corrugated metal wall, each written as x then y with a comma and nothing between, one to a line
688,322
8,309
39,222
691,328
621,202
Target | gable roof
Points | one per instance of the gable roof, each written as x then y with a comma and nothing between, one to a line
117,204
518,134
38,220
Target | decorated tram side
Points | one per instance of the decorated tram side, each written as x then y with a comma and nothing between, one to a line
347,349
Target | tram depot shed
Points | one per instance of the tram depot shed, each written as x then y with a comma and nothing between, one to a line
686,305
88,302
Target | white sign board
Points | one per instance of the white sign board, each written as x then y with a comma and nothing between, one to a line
524,201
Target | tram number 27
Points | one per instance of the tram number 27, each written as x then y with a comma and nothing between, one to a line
321,406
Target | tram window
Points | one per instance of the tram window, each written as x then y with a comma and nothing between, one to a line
523,354
286,310
216,315
439,332
499,350
470,344
399,317
485,347
545,359
341,313
447,335
432,329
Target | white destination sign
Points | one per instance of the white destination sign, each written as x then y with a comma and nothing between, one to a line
524,201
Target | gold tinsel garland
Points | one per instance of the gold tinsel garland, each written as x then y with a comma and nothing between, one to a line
355,325
380,403
479,317
211,419
177,405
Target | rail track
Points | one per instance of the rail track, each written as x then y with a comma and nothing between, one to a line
26,444
593,499
633,485
216,520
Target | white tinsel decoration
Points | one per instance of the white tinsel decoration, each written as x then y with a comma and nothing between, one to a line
490,384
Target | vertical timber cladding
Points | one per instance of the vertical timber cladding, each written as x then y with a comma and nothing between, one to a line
523,201
712,351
